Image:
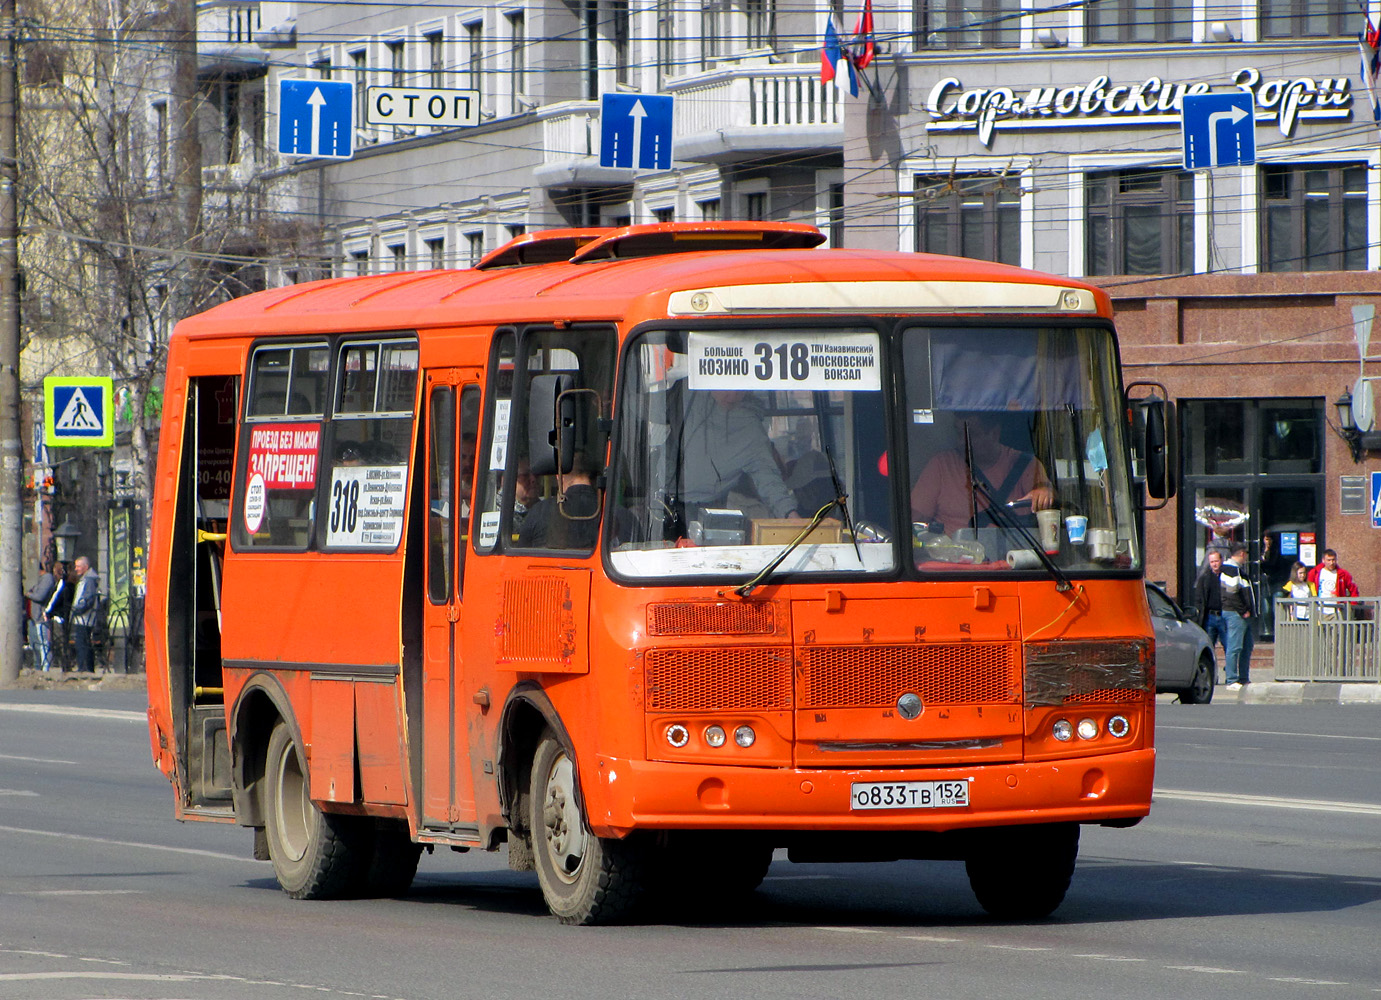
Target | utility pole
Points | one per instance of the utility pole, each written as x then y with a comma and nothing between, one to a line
11,453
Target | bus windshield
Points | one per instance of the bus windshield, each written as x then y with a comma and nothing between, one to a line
733,440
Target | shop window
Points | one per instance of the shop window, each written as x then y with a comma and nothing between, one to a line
1226,437
1139,222
1307,18
1315,218
975,216
965,24
1113,21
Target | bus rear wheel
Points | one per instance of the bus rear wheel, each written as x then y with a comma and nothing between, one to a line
585,879
315,855
1023,872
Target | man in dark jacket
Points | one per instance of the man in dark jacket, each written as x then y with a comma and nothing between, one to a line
1208,599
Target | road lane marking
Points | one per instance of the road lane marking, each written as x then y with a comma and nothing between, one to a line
194,851
18,791
1268,802
152,977
71,892
35,760
90,713
1268,732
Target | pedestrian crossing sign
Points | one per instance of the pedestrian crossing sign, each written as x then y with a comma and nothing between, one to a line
78,411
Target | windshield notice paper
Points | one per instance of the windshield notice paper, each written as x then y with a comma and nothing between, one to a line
366,506
816,359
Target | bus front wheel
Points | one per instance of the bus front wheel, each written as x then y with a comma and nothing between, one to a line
1023,872
585,879
315,855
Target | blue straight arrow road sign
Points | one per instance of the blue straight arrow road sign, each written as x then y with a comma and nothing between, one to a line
635,131
316,118
1219,130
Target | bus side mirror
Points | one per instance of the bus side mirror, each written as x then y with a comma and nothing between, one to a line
551,424
1156,437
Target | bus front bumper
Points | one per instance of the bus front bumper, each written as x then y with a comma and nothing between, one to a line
649,795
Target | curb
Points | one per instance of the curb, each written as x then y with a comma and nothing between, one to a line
1302,693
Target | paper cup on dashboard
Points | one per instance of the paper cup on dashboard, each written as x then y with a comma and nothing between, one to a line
1075,526
1049,524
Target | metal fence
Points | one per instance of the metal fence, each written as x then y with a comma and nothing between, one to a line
1327,639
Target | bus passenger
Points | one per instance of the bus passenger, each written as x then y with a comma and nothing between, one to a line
943,492
572,525
723,439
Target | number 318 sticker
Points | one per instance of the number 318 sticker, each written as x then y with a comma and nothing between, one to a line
803,359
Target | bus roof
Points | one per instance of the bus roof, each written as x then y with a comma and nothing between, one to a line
751,280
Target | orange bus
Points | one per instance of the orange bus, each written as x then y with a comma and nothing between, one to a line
647,552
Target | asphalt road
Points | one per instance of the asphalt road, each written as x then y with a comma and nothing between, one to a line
1256,876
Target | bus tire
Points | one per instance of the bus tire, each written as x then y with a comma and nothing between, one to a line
1023,872
711,868
392,861
315,855
585,879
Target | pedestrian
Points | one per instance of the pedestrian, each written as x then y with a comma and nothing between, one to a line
39,629
1331,580
1298,589
85,603
1238,612
1208,599
56,613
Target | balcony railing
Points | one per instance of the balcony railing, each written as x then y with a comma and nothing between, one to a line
756,97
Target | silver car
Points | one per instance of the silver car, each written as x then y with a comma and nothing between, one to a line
1184,655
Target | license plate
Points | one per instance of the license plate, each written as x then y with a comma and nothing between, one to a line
909,794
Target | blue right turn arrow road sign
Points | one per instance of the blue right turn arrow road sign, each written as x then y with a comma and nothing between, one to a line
1219,131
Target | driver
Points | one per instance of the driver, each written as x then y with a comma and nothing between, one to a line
944,491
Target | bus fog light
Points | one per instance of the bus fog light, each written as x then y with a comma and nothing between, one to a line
714,736
1062,731
1119,727
1088,729
678,735
745,737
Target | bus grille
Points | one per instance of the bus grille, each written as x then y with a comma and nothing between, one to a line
874,676
1107,696
710,618
719,678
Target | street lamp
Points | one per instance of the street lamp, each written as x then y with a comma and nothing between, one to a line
1359,441
66,539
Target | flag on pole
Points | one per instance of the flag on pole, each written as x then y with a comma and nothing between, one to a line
864,48
1369,41
835,65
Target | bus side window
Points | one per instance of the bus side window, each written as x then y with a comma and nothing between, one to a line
280,447
575,368
494,458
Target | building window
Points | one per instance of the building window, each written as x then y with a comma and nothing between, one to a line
836,215
977,216
436,252
711,24
664,215
399,253
1306,18
761,18
474,246
619,14
1315,218
709,209
666,39
1140,21
515,230
322,68
589,57
396,57
517,33
755,206
436,59
1139,222
969,24
359,262
360,61
474,53
160,152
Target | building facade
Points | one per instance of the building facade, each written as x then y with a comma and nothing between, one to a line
1042,136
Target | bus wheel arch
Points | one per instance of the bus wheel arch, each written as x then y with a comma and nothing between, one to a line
527,714
261,705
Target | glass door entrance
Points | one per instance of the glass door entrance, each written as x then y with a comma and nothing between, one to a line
1253,476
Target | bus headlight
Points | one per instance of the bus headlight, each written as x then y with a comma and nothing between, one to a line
1062,730
1088,729
1119,727
678,735
745,737
714,736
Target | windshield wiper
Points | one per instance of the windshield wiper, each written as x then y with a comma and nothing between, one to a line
999,512
762,575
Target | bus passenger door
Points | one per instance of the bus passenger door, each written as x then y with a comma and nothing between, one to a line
452,409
